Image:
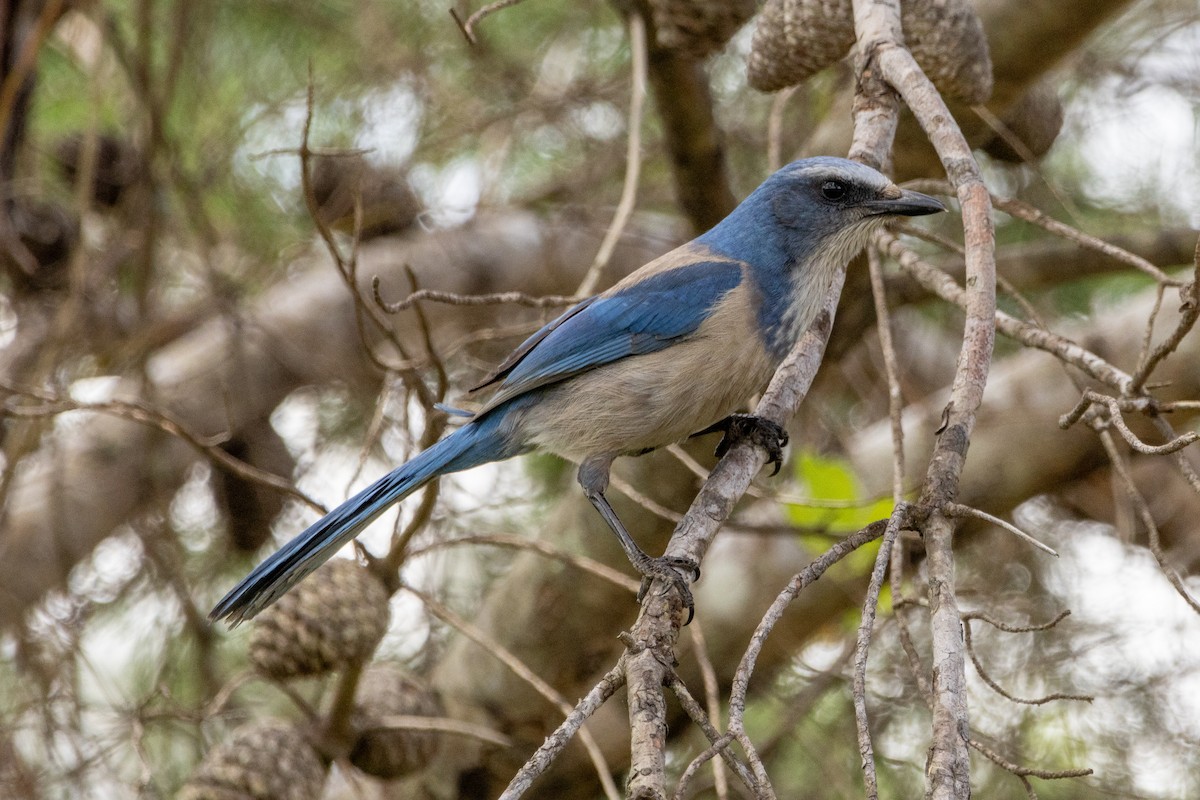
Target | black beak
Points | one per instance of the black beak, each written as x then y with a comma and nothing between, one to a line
906,204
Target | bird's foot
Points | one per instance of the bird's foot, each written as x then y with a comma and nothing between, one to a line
757,430
672,570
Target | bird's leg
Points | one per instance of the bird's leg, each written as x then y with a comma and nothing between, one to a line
759,430
593,477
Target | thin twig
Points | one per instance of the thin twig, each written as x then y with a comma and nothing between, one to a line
1034,216
535,681
1010,628
1023,211
1121,469
803,579
347,267
883,327
455,299
584,563
1181,460
633,155
1113,405
959,510
468,27
712,699
1000,690
545,755
1189,297
945,287
163,420
696,712
899,603
699,761
22,66
456,727
1020,771
862,647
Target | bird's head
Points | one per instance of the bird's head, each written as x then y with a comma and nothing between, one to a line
814,204
824,195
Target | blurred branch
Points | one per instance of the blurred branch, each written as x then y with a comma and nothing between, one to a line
138,411
997,688
866,750
1189,305
576,715
468,27
683,99
633,154
541,760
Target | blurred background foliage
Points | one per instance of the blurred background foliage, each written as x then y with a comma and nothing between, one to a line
111,686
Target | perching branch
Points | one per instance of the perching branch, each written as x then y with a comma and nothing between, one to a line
877,25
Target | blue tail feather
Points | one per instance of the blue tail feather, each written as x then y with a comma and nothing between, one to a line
477,442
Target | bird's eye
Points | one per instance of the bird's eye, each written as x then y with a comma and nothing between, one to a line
833,190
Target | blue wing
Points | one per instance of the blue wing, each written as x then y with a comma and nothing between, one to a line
640,318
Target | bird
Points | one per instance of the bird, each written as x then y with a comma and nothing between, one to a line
672,350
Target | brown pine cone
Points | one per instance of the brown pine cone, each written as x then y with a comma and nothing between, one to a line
699,27
260,761
333,618
946,38
798,38
388,203
1035,121
384,752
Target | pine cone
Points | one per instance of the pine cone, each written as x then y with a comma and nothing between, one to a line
1035,120
798,38
334,618
698,27
387,752
388,203
260,761
947,39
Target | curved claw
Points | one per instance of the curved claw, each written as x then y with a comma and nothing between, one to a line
758,430
669,569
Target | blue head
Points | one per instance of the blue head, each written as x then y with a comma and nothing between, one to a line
802,224
809,206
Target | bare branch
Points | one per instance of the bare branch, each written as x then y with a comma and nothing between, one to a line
1189,296
741,678
958,510
944,286
589,565
1022,772
862,646
161,419
1113,406
1143,510
1008,628
545,755
891,370
490,645
998,689
715,737
468,27
1035,216
712,699
633,154
455,299
456,727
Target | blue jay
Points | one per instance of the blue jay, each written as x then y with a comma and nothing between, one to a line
670,350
